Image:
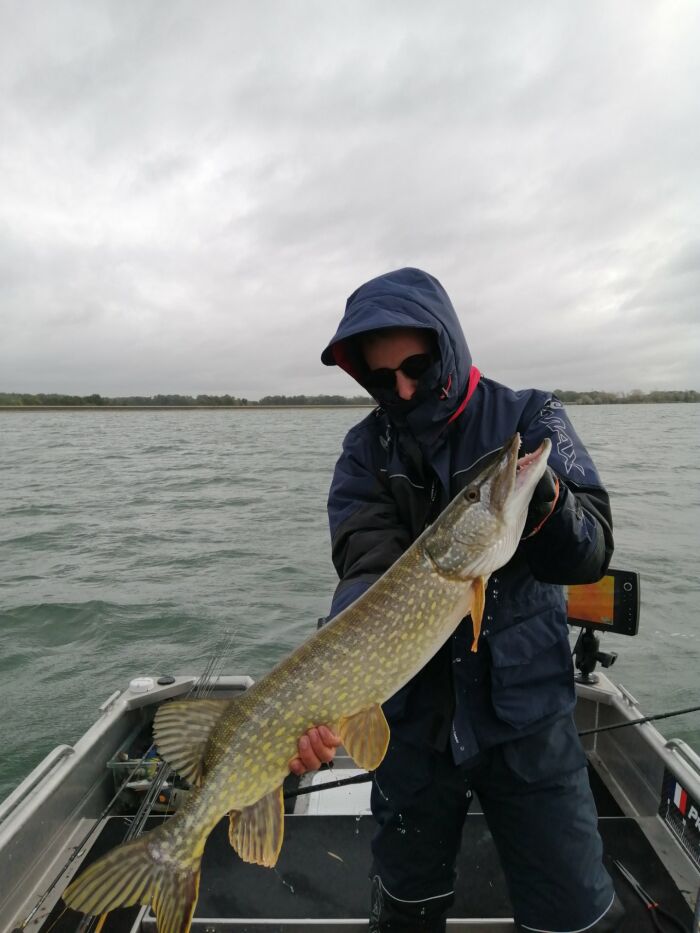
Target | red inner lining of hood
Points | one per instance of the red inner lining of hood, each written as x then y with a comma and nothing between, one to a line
474,376
343,359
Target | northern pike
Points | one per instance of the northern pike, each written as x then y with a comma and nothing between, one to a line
236,752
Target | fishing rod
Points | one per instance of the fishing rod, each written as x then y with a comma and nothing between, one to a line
331,785
368,775
638,722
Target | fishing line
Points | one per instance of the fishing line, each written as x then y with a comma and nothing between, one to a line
202,688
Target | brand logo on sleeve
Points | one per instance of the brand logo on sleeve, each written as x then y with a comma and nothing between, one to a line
563,442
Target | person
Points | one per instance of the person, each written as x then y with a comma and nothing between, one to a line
496,721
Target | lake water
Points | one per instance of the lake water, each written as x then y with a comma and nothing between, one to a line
134,542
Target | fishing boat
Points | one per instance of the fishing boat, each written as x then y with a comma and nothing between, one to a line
83,799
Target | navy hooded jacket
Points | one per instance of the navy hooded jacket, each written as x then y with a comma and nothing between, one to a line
400,467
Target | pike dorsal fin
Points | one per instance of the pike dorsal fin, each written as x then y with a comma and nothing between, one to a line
477,610
256,832
181,730
366,736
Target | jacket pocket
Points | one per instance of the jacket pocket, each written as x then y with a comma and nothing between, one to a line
531,669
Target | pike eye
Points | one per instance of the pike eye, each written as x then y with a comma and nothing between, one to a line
472,495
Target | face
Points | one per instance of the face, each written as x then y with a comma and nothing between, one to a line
391,349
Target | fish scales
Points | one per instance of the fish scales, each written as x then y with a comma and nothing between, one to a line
240,751
299,692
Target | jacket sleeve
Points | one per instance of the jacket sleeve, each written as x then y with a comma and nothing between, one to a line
575,544
367,535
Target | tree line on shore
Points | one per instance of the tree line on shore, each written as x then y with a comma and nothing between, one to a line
635,397
28,400
24,399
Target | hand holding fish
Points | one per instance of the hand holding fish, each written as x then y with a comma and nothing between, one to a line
544,501
316,747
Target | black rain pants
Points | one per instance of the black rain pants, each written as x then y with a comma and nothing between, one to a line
539,808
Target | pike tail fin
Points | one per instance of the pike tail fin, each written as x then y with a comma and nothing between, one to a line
141,872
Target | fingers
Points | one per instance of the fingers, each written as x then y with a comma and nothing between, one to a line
296,766
316,747
329,738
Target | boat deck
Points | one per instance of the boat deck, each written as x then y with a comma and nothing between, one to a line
321,880
647,791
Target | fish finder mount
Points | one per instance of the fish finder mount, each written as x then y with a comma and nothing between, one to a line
587,655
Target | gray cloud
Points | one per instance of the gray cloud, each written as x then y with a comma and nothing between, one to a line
188,193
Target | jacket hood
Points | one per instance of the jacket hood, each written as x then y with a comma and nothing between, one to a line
408,298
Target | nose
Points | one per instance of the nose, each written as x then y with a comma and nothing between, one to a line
405,387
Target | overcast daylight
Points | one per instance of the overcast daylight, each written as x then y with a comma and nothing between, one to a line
190,191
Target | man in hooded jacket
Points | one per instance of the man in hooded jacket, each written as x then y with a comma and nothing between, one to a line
499,720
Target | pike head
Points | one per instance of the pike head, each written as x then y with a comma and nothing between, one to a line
480,529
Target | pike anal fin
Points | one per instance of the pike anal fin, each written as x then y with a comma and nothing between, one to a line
366,736
257,831
477,610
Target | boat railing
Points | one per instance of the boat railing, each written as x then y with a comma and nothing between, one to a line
40,773
688,754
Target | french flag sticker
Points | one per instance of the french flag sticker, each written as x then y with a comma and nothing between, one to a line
680,798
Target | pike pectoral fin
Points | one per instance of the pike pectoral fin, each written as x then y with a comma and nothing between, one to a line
366,736
477,610
181,730
256,832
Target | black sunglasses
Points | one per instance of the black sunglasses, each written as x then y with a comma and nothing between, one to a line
413,366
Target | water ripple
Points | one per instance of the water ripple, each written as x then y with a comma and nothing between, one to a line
131,544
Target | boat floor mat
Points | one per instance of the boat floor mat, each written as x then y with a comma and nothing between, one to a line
322,874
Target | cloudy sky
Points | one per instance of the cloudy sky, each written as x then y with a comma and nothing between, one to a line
189,191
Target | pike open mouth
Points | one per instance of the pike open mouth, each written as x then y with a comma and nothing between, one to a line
526,463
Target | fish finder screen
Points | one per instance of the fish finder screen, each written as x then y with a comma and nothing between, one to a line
592,602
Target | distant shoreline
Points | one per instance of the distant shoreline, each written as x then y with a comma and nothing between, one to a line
30,408
55,401
45,408
59,401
